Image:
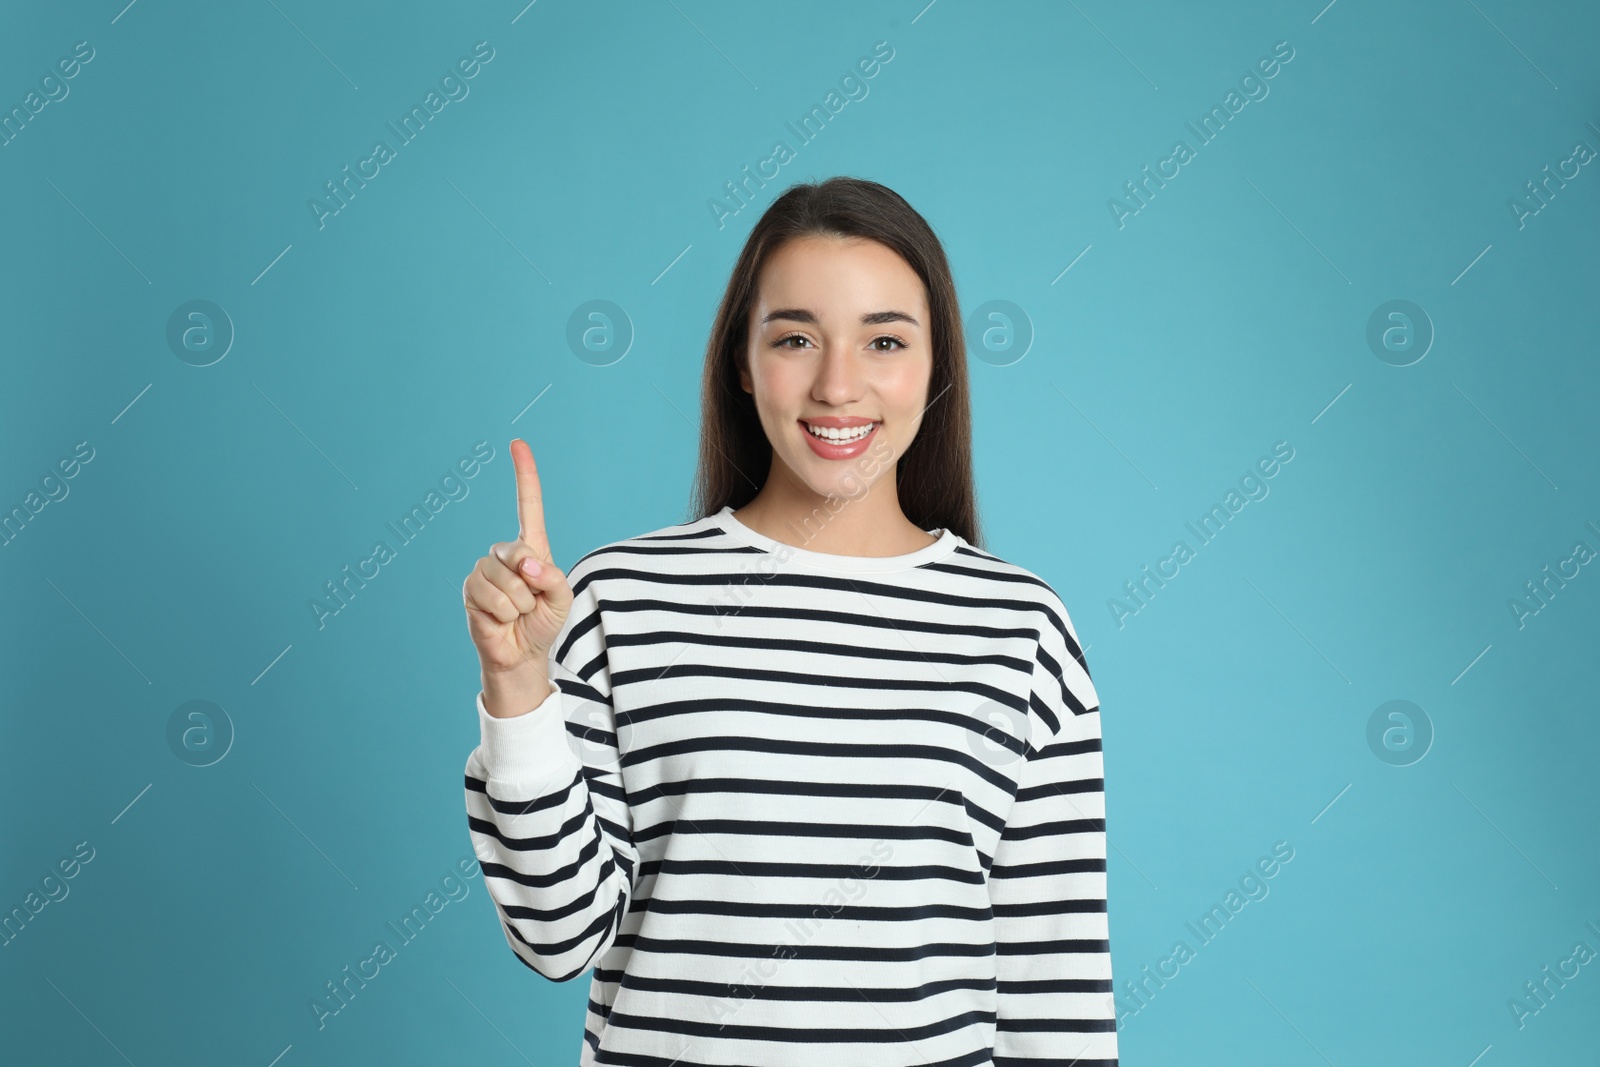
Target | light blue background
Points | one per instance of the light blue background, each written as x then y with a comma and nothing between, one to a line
1229,314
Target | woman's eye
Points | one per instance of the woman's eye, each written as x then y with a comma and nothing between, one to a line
784,342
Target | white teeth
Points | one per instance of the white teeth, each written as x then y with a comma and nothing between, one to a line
841,437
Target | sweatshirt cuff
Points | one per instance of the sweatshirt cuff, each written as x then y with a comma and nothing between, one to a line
526,747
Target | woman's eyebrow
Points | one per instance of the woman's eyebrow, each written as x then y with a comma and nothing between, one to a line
871,318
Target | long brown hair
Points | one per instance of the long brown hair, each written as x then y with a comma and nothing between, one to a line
934,478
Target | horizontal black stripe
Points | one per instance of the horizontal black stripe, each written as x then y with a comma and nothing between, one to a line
822,871
816,648
811,582
803,1034
910,717
810,951
971,1059
838,753
766,828
793,994
843,913
650,676
807,614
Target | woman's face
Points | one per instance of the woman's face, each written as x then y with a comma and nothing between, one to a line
838,337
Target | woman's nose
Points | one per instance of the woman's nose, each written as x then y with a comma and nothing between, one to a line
837,376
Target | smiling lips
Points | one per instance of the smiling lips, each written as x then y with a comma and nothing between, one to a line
838,436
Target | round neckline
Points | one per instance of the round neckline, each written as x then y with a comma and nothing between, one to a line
931,553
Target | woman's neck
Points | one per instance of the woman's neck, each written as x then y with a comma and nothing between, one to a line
872,524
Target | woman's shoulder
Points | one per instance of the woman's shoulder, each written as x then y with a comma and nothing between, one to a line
1059,654
1017,586
1008,578
649,551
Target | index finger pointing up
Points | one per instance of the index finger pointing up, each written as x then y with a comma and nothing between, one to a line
530,501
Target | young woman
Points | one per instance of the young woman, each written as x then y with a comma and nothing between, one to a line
811,777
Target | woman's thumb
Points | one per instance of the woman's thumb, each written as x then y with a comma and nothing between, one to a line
548,581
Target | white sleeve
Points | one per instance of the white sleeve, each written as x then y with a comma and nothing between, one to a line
546,811
1048,879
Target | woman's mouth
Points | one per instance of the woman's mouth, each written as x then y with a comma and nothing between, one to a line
838,442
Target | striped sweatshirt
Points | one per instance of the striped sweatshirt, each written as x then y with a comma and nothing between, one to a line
795,807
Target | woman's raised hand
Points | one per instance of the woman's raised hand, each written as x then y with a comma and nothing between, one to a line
517,600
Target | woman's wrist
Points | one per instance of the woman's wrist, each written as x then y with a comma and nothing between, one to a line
507,694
